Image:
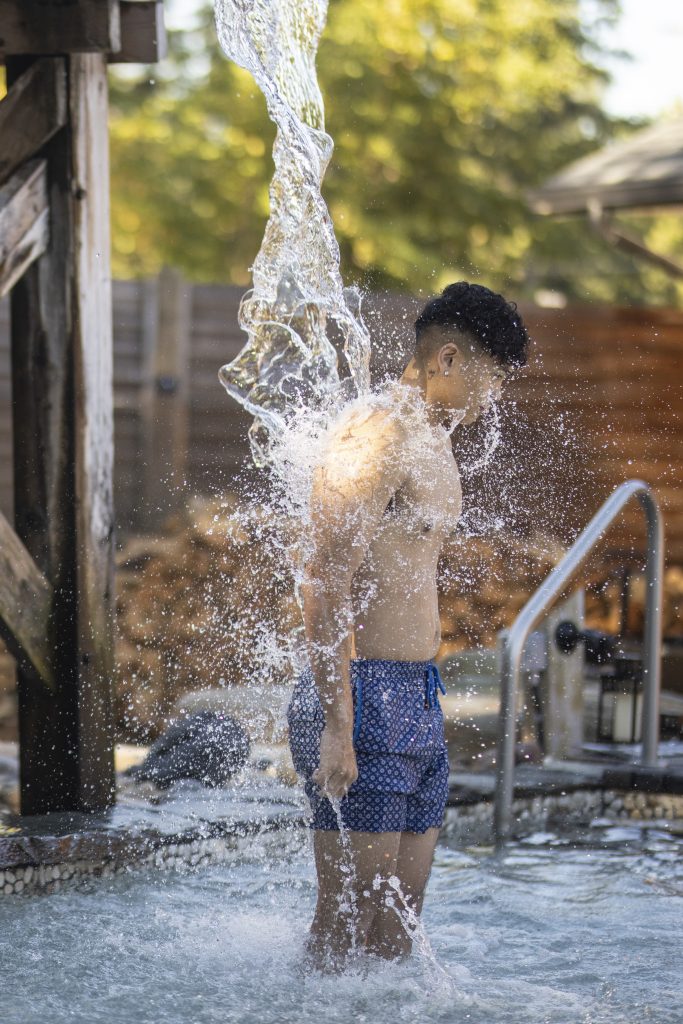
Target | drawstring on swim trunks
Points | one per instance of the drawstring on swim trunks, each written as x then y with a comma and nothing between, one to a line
433,680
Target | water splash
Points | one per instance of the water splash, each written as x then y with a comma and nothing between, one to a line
288,366
348,900
299,319
411,922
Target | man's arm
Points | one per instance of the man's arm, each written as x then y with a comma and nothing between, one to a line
352,486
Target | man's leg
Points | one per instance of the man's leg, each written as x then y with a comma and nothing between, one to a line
347,898
424,807
387,937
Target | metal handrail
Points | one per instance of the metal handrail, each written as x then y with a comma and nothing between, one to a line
541,602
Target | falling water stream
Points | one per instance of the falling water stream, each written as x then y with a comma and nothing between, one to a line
289,365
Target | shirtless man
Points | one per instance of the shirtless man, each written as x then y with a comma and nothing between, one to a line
366,726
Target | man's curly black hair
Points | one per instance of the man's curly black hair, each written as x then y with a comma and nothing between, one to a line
484,315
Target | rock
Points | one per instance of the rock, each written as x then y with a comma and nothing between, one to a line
208,746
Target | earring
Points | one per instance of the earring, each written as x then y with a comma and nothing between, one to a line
445,373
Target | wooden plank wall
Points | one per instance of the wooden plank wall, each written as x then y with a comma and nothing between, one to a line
129,353
218,425
616,376
601,402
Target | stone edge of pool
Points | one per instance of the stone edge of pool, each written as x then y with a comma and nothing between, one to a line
31,864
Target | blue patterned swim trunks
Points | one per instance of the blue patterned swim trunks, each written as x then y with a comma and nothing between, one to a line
398,737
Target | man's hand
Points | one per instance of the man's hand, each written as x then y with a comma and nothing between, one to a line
337,769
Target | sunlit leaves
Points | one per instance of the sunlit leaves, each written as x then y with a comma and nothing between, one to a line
443,113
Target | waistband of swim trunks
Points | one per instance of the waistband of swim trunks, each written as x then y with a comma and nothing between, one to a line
389,668
392,661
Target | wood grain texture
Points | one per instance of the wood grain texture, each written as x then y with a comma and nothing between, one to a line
25,603
31,112
42,463
143,33
40,27
93,425
24,222
62,427
165,488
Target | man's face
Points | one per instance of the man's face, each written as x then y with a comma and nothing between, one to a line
473,380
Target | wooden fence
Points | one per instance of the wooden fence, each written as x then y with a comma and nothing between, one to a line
602,401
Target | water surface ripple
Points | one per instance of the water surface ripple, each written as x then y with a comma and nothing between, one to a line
574,930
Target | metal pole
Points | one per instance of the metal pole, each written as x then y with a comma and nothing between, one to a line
540,602
652,666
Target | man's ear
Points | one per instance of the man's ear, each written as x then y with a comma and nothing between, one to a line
449,350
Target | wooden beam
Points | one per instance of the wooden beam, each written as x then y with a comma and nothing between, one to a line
40,27
93,427
61,385
24,222
31,112
42,403
25,604
620,239
143,33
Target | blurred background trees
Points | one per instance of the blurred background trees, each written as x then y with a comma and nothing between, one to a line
443,113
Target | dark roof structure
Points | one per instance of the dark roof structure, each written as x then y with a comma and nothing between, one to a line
646,170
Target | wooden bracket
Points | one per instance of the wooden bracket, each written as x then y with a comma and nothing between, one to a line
25,603
601,222
31,112
24,222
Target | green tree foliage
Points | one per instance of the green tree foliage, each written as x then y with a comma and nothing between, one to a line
443,113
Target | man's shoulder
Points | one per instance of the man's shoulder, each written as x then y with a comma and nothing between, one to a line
370,419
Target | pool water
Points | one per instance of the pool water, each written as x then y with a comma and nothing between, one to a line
573,929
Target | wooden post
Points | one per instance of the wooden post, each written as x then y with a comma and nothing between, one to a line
62,423
54,215
562,690
93,427
165,398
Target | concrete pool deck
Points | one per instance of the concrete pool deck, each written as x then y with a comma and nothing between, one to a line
190,825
